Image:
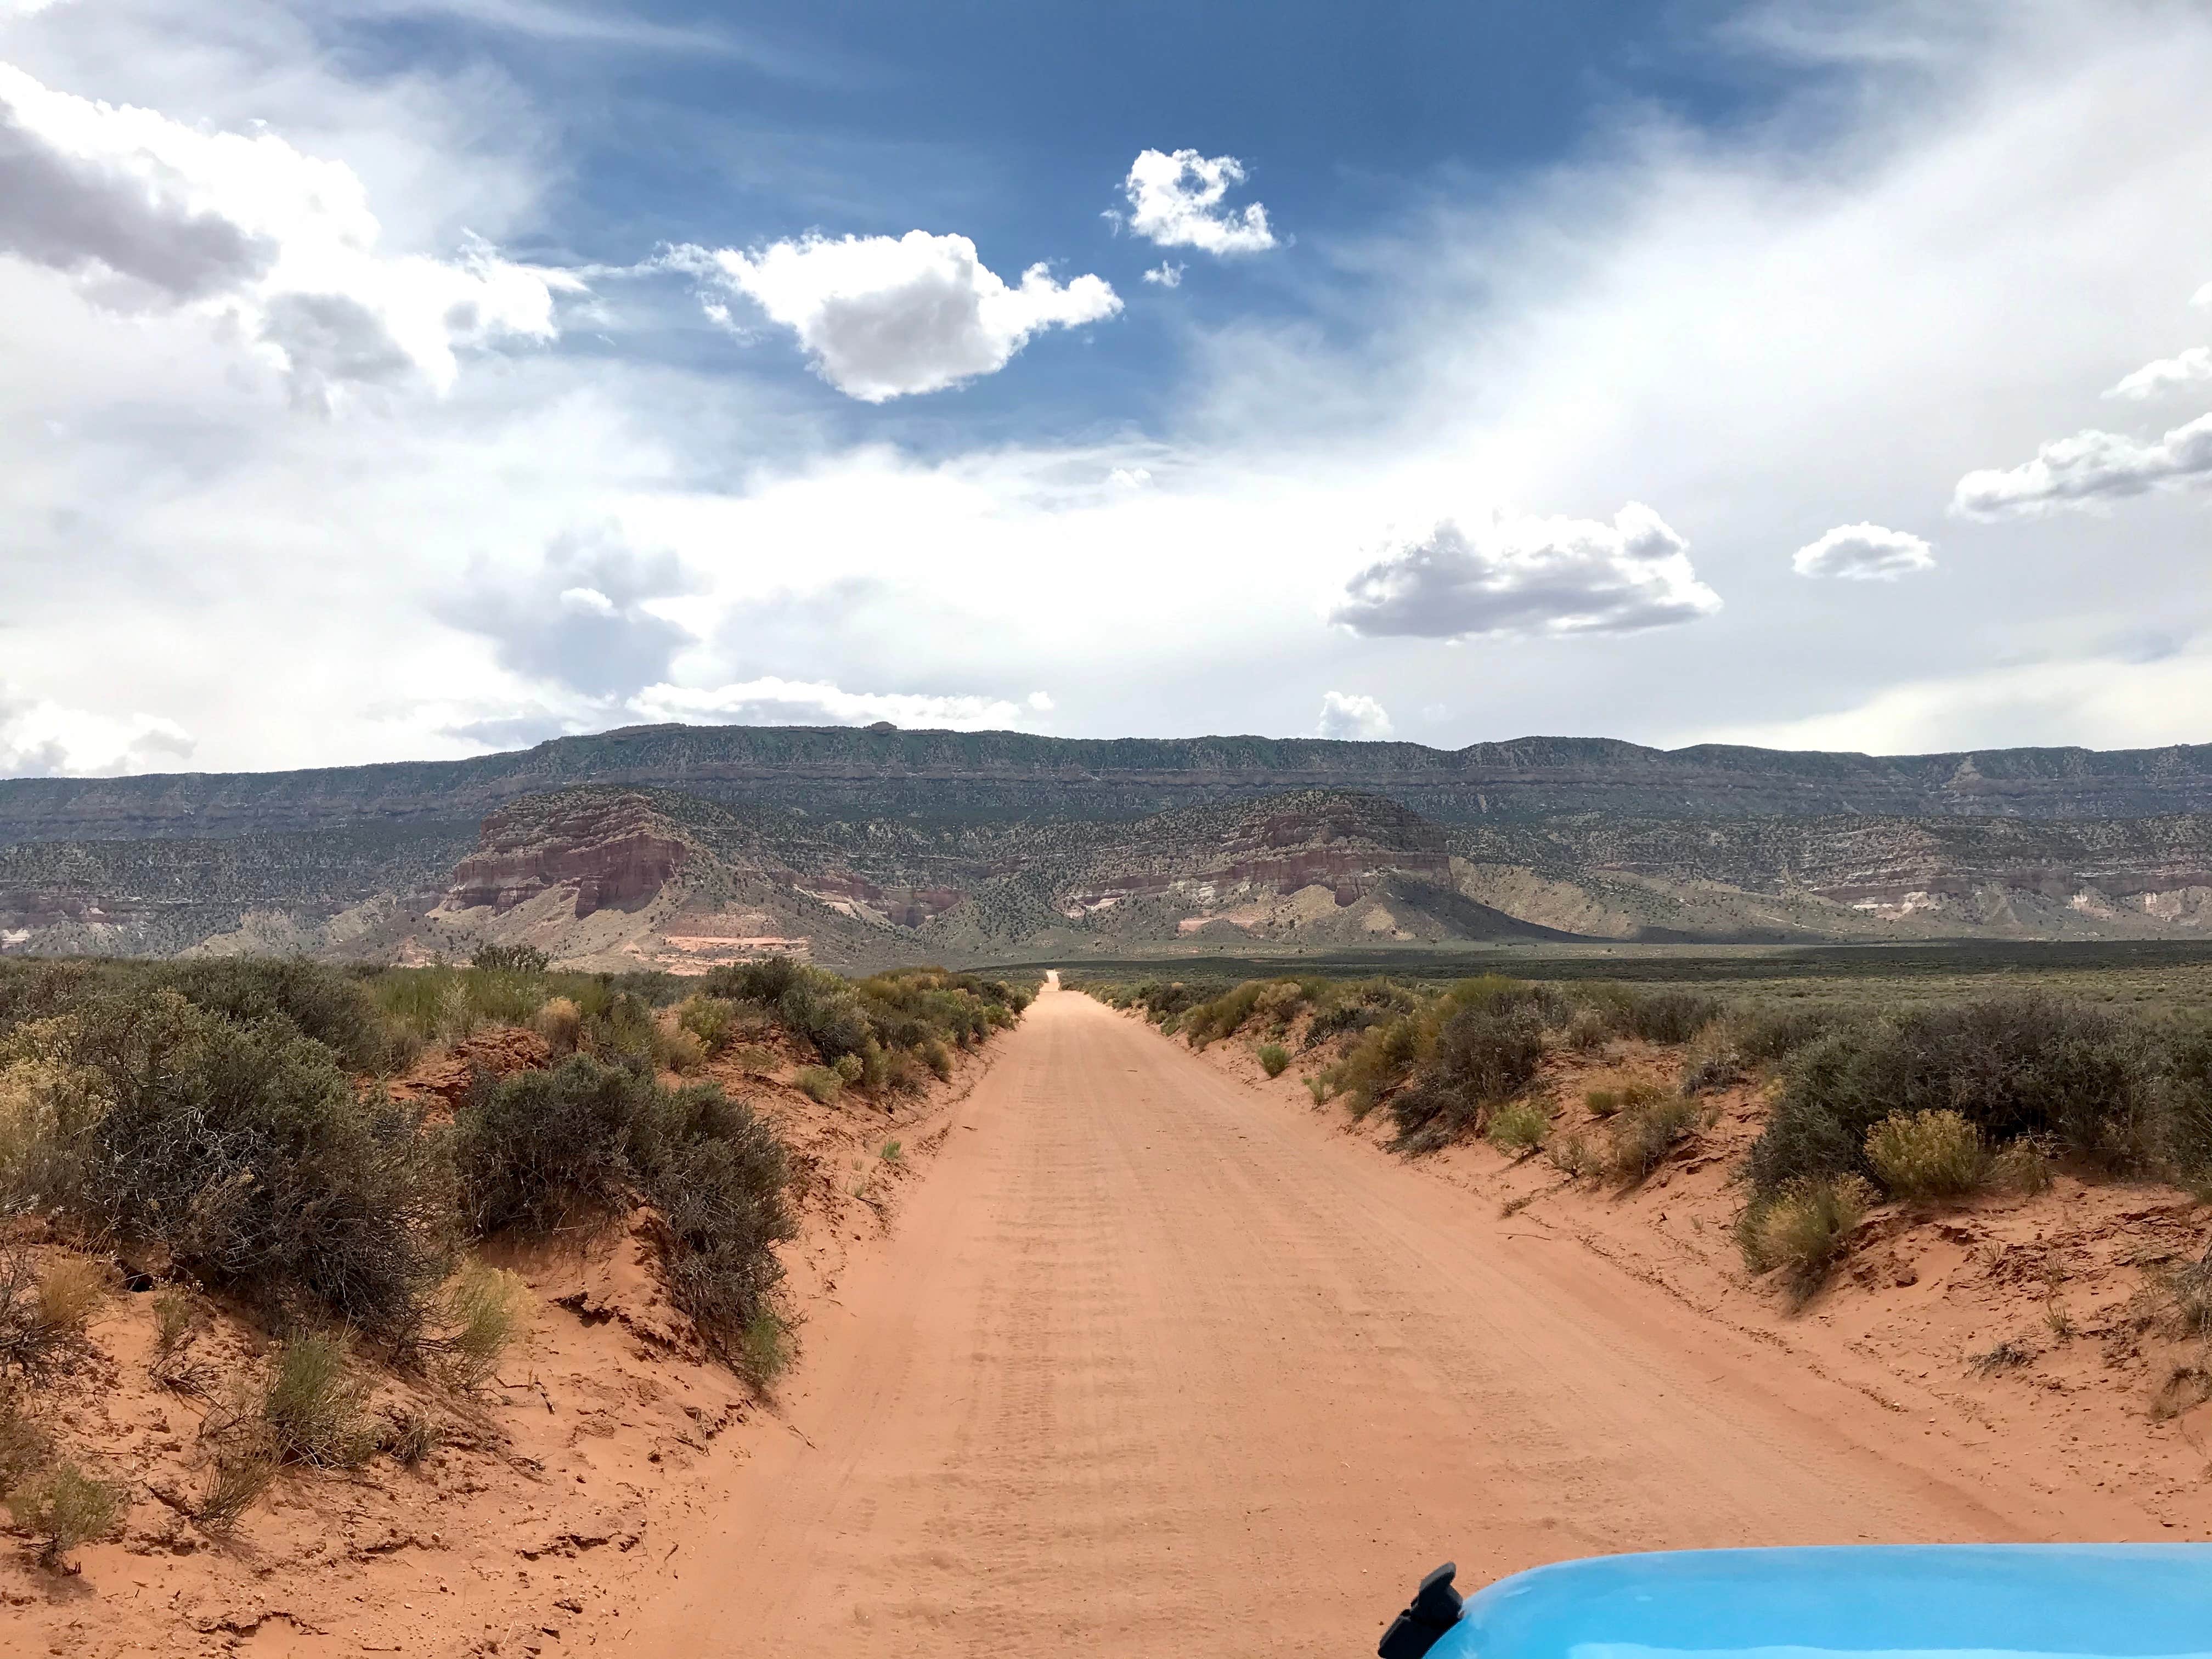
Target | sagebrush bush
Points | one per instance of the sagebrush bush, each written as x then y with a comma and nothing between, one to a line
249,1154
1485,1052
712,1020
1933,1154
63,1506
2080,1078
1275,1059
1803,1228
541,1151
43,1314
487,1310
561,1022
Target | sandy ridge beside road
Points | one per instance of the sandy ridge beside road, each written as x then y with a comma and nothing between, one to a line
1154,1366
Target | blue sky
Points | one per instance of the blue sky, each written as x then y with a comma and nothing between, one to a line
397,380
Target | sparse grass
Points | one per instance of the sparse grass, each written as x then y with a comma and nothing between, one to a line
2058,1321
766,1346
2023,1166
44,1313
819,1083
1317,1085
2008,1355
411,1438
63,1506
487,1312
314,1405
1605,1101
1519,1127
237,1478
1275,1059
893,1154
1572,1156
174,1318
25,1447
561,1022
1928,1155
754,1059
1642,1136
1803,1230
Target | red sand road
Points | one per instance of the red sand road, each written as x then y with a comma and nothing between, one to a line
1154,1366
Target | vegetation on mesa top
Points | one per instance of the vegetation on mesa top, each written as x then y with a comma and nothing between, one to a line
219,1125
1863,1104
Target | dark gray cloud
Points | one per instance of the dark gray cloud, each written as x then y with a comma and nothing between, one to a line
577,620
1530,576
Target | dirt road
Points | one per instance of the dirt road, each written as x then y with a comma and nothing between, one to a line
1152,1366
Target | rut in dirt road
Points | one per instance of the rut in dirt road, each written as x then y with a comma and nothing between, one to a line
1154,1367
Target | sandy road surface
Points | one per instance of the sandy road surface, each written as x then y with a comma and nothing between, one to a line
1154,1367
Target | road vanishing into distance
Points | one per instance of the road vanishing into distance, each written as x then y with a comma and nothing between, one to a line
1153,1364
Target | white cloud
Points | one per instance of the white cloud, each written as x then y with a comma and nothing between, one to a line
1530,576
39,738
145,214
1175,201
1166,274
2087,469
1348,714
885,317
794,703
1864,552
2166,375
2203,296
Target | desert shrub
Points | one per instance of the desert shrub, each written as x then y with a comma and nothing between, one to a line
905,1073
1718,1068
2021,1166
819,1083
766,1346
624,1029
63,1507
540,1150
1936,1154
237,1477
25,1447
174,1319
681,1051
1763,1035
1604,1102
850,1068
47,1109
327,1004
1486,1051
1586,1031
718,1177
938,1058
712,1021
755,1061
510,959
43,1314
1318,1086
248,1153
2009,1066
1519,1127
1273,1058
1573,1157
1640,1137
1663,1016
410,1438
813,1004
313,1404
486,1310
1803,1228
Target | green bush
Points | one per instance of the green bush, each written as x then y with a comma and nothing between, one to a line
313,1405
63,1507
1936,1154
540,1150
1519,1127
1273,1058
247,1153
1486,1051
819,1083
2081,1078
326,1004
1803,1228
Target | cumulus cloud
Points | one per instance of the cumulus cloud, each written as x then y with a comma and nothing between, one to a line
40,739
1864,552
2089,469
795,702
1175,201
579,619
885,317
1166,274
1347,714
145,214
1527,576
2166,375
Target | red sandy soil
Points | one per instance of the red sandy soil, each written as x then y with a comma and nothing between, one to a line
1161,1363
563,1486
1162,1360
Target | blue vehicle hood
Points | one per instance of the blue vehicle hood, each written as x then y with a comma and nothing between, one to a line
2084,1601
